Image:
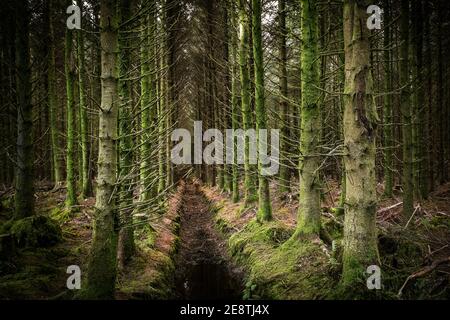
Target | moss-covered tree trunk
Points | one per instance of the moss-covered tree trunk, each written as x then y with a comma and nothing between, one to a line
264,206
69,67
226,107
52,100
419,112
285,176
309,199
145,151
86,187
360,122
407,178
426,176
249,186
388,125
126,235
24,196
102,266
161,114
234,104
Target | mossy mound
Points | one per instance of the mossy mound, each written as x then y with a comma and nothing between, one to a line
61,215
35,275
35,231
154,280
281,269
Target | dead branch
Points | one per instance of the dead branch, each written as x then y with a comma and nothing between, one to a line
423,272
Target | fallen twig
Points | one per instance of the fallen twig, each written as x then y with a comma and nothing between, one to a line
383,210
415,210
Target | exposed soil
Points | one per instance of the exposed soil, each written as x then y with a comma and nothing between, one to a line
203,268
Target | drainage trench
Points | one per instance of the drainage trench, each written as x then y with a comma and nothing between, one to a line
203,269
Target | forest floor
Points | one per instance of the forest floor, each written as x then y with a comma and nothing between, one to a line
40,272
205,246
414,253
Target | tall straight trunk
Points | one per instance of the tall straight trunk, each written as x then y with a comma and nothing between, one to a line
249,186
419,112
407,179
285,176
360,121
442,169
145,113
24,196
69,64
264,206
126,245
309,199
153,112
161,116
102,267
387,112
52,100
86,187
227,115
340,211
234,105
427,173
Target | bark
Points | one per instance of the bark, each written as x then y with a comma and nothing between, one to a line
86,187
264,205
249,186
309,199
101,276
145,115
69,65
387,112
126,245
234,106
24,196
360,121
407,179
52,101
285,176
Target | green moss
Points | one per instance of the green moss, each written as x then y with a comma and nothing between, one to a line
439,222
222,225
61,215
145,236
254,233
277,268
151,284
36,231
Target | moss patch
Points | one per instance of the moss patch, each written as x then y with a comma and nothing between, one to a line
277,268
36,231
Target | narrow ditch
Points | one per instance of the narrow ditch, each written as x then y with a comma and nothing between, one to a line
203,269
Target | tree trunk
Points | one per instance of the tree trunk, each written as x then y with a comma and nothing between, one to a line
86,187
102,263
387,112
126,235
24,196
52,101
264,206
360,121
249,186
285,175
407,180
69,64
309,199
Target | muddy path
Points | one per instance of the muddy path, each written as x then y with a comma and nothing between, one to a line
203,268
